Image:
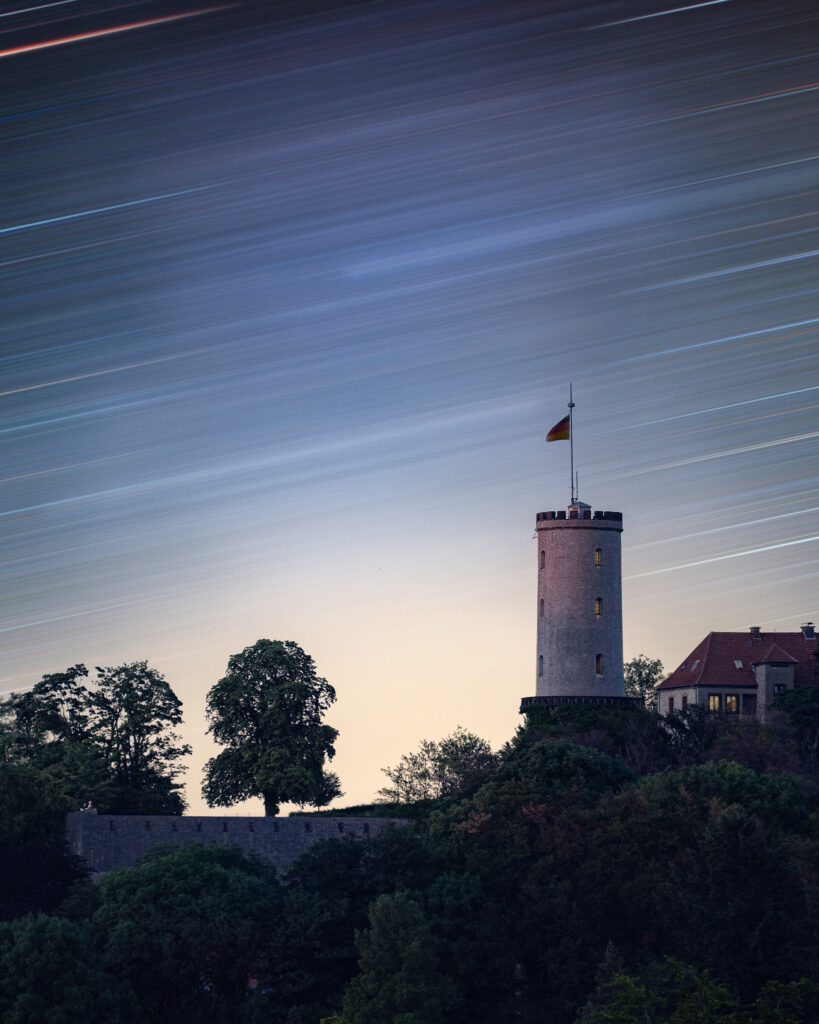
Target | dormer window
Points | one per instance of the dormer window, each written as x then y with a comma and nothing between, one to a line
737,664
694,665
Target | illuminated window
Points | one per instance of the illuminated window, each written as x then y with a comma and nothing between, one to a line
598,606
684,702
731,704
598,664
540,611
714,702
540,665
542,559
671,705
598,557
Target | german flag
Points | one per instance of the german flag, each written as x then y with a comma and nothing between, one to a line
561,431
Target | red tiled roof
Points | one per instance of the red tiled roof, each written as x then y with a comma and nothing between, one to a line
713,660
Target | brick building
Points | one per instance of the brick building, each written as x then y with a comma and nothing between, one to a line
741,673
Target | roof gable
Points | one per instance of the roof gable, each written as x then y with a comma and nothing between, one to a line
775,655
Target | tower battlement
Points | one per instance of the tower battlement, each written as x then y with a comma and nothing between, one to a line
584,514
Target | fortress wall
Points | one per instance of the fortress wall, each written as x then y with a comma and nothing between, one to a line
108,842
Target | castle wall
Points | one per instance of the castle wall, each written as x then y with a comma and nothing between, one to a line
108,842
579,652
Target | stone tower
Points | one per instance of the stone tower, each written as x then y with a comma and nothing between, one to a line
579,655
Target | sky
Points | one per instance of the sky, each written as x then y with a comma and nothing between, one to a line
292,292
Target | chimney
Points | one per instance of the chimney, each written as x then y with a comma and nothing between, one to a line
756,632
808,632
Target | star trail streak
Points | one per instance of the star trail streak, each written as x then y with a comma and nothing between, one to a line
291,293
725,558
64,218
99,33
39,7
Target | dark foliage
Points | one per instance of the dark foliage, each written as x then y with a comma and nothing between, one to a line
109,743
267,712
610,869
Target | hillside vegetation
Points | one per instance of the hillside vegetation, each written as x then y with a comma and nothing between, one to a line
605,868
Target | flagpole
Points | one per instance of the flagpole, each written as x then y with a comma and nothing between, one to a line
571,445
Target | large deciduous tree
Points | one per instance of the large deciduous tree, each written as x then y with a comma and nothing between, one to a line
109,741
267,712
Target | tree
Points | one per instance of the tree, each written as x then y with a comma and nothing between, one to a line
132,711
267,712
800,710
664,993
456,764
640,675
36,869
109,742
400,977
189,929
49,971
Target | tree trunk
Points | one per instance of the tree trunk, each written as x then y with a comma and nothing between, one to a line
271,808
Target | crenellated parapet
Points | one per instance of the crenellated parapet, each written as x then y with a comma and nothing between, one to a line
592,517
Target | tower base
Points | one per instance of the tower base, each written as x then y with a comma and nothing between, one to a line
556,701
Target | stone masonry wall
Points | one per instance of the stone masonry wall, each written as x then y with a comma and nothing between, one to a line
108,842
570,632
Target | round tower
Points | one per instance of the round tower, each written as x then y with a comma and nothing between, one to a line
579,607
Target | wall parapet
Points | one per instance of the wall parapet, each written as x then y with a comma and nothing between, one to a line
109,842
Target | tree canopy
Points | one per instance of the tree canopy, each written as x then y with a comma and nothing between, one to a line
457,763
109,741
640,675
267,711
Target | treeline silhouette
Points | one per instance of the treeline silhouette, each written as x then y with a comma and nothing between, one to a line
606,867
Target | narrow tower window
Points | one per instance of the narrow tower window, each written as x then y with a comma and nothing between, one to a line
540,610
542,559
598,607
540,664
598,664
598,557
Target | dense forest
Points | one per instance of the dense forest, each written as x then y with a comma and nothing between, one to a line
606,867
